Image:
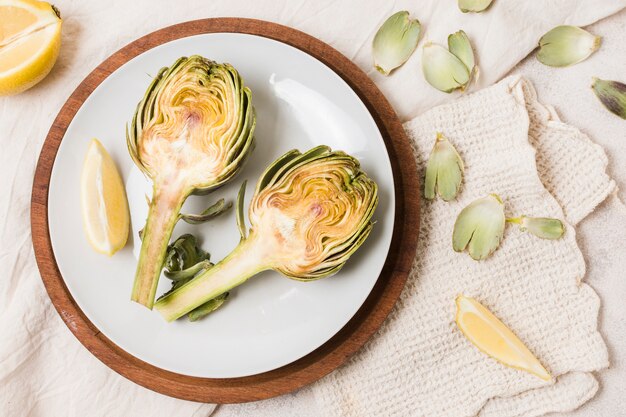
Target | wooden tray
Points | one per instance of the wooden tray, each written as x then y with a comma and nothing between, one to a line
331,354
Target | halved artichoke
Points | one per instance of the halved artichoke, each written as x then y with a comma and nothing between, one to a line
310,212
191,133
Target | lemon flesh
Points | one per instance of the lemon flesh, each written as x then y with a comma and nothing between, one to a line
30,39
103,201
492,337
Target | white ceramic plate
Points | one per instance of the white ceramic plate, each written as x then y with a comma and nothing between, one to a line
270,321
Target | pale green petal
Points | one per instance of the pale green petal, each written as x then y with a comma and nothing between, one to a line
566,45
612,94
475,6
444,171
542,227
442,69
459,45
395,41
479,227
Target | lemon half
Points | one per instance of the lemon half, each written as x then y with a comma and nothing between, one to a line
103,201
492,337
30,39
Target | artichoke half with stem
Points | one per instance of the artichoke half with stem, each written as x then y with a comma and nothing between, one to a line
309,213
190,134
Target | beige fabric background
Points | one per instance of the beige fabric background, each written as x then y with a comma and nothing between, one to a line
38,352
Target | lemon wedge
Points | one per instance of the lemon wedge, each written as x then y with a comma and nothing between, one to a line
492,337
30,39
103,201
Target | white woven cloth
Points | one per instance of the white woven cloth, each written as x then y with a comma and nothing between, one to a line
420,364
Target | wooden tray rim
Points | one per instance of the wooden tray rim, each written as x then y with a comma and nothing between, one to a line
342,345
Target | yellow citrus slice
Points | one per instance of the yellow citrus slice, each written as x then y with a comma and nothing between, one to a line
492,337
30,38
103,201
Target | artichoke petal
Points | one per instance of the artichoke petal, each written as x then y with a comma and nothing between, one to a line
566,45
190,272
184,253
479,227
211,212
395,41
460,46
444,170
184,260
442,69
475,6
612,94
208,307
542,227
241,221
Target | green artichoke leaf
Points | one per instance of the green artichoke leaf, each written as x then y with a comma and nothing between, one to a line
210,213
612,94
241,221
184,260
566,45
184,253
460,46
395,41
443,70
474,6
543,227
444,170
479,228
208,307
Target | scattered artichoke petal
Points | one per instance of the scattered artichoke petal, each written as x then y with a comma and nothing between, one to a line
208,307
542,227
211,212
190,272
479,227
612,95
475,6
444,171
442,69
241,221
184,253
566,45
395,41
459,45
183,262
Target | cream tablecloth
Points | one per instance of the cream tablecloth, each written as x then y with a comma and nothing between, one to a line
45,371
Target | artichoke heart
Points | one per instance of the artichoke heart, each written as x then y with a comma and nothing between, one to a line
190,133
309,213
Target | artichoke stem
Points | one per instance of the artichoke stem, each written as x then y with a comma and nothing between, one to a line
166,203
249,258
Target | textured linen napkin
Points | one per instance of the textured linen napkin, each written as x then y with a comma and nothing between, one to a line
420,364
